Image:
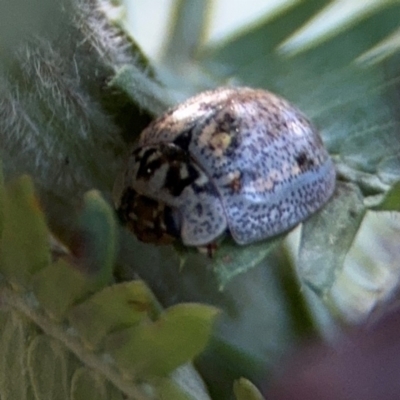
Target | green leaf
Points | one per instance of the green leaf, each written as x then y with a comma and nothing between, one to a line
327,236
391,201
87,384
61,284
231,259
157,348
114,308
245,390
96,245
15,332
58,286
48,368
25,242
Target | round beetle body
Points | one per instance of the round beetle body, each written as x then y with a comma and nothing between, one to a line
240,160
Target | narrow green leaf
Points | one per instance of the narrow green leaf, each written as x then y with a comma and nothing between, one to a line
25,244
340,18
97,239
245,390
157,348
114,308
58,286
48,368
188,29
391,201
327,236
87,384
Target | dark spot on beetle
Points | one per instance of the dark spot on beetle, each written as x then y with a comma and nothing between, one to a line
235,142
304,162
301,159
139,154
228,119
146,170
183,140
173,154
145,156
199,209
66,160
173,181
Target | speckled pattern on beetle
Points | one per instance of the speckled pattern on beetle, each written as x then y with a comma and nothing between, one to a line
237,160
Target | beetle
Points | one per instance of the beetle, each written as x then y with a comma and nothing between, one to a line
238,160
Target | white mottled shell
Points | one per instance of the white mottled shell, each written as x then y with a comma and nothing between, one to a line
264,159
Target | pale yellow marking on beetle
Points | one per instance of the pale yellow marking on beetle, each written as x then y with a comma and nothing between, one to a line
219,142
206,134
